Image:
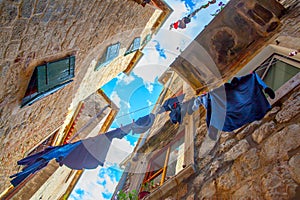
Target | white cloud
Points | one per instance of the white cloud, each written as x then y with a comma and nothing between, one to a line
123,78
118,151
149,87
88,183
149,102
115,98
128,105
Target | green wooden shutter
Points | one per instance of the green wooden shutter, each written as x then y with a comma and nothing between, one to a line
55,73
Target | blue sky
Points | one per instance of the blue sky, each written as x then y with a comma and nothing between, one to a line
139,90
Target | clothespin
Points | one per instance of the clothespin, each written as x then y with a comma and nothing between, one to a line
175,105
293,53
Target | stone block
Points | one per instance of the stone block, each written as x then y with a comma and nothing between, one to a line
248,191
208,190
290,109
247,164
272,113
224,136
227,181
206,146
215,165
198,181
182,190
237,150
248,130
294,167
19,28
263,131
278,184
8,13
227,145
40,6
27,7
191,197
278,146
205,161
12,50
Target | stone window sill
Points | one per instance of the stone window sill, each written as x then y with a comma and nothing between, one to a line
171,183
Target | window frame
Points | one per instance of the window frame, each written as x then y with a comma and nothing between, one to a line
106,57
189,162
147,38
163,170
41,85
133,46
278,52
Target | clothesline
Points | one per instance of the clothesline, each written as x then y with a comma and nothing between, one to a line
264,66
91,152
261,67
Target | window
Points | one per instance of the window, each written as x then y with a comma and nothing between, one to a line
166,163
146,40
111,53
48,78
135,45
277,70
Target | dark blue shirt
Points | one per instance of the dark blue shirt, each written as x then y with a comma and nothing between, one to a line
235,104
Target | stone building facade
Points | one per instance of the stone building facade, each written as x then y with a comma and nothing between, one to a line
259,160
36,34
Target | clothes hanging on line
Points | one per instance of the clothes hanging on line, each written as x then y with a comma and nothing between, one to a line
178,108
40,160
181,23
84,154
143,124
235,104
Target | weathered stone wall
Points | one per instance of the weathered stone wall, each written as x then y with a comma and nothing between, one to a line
258,161
35,31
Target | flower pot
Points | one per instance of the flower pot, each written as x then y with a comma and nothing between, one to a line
142,194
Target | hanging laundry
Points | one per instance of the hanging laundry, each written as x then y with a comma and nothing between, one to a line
39,160
143,124
84,154
92,151
237,103
173,105
187,19
177,108
221,5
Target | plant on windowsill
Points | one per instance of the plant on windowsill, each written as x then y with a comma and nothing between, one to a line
132,195
145,189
